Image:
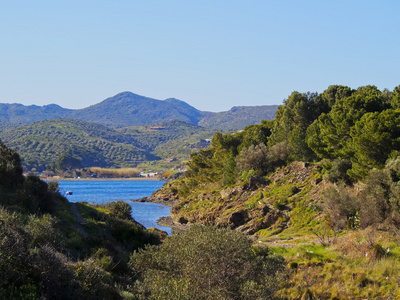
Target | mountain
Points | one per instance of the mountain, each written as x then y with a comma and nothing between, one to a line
129,109
19,114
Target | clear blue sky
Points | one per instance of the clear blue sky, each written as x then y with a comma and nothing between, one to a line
212,54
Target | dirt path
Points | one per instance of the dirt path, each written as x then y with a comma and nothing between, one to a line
78,220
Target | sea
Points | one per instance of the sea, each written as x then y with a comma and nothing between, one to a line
103,191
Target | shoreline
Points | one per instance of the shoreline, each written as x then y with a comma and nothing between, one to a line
166,221
169,222
103,179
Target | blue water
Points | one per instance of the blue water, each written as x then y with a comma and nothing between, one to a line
102,191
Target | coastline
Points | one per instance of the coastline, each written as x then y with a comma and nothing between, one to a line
103,179
169,222
165,221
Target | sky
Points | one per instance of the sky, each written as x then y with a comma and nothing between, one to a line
212,54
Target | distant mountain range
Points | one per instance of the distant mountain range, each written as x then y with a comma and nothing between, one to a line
129,109
120,131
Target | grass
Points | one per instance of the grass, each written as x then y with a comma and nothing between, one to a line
340,270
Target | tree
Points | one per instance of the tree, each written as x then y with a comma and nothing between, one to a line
374,137
10,167
330,137
206,263
333,94
395,97
67,162
253,158
292,120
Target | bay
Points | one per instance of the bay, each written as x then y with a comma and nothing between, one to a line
103,191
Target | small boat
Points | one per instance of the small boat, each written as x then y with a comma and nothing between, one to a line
68,193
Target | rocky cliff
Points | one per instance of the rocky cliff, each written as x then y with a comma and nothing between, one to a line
261,206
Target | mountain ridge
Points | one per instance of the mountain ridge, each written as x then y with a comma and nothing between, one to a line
130,109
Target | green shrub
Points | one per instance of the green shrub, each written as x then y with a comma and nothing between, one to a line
95,282
342,207
206,263
253,158
174,190
338,171
120,209
379,252
293,265
44,231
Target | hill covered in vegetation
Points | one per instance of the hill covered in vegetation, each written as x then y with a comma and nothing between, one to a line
53,249
238,117
169,138
319,185
42,145
129,109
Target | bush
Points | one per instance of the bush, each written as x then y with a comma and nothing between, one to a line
293,265
338,171
342,208
36,197
120,209
206,263
10,167
95,282
43,230
253,158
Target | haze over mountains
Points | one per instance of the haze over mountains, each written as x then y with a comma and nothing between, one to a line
129,109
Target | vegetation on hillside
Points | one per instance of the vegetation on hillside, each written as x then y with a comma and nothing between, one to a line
53,249
354,128
321,180
172,138
238,117
319,185
55,144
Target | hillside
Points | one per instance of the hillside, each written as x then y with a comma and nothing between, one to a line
169,138
296,212
319,185
129,109
238,117
53,249
19,114
40,144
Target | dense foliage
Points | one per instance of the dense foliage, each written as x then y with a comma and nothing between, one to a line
357,127
319,184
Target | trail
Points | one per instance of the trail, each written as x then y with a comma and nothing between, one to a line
78,220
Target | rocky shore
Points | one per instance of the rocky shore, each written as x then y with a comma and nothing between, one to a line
165,221
169,222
